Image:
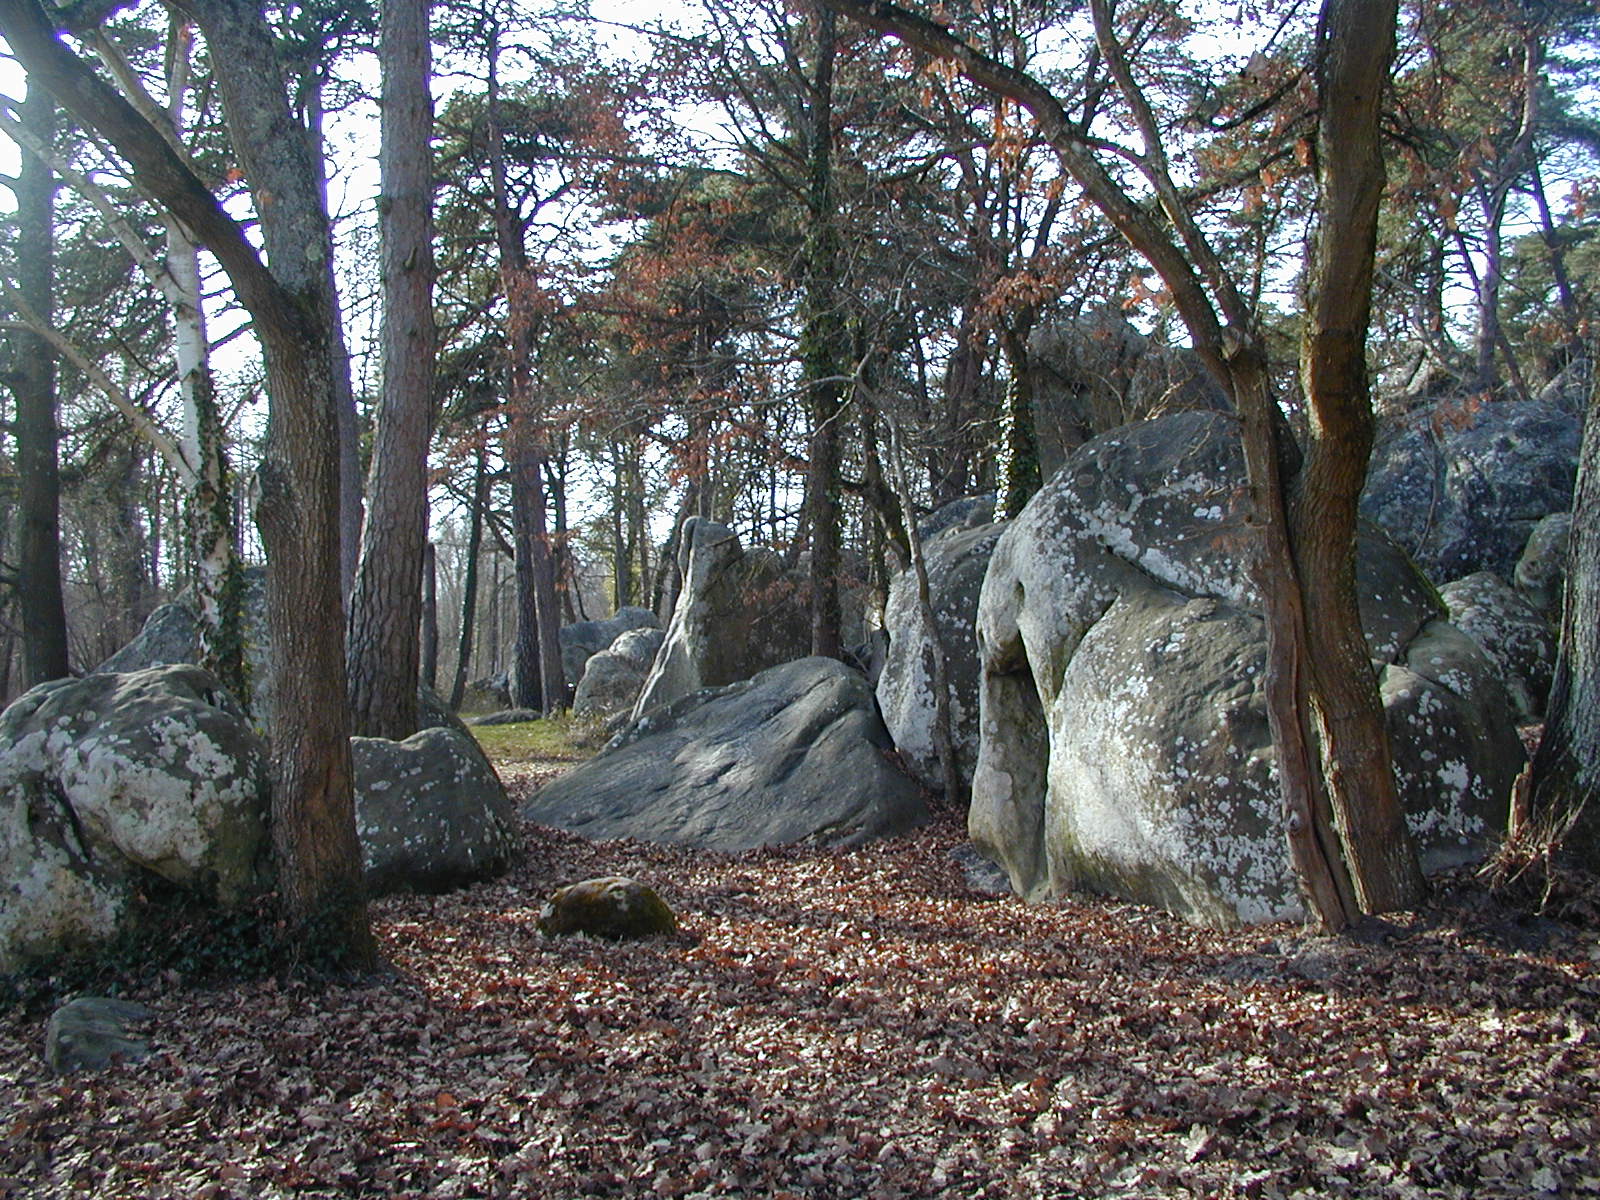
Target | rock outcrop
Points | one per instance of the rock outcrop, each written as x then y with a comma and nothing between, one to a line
110,778
1125,746
956,560
612,679
1461,484
738,613
1517,638
795,754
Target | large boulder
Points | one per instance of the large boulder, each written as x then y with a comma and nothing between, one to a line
582,640
1124,739
738,613
171,634
1461,483
430,812
111,778
1516,637
1097,372
1541,573
956,560
612,678
795,754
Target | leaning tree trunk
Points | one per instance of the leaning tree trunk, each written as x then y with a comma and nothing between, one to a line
386,602
1566,770
1355,42
33,383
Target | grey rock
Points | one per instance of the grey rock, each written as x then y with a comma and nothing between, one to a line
430,812
1517,638
1461,484
506,716
171,634
795,754
582,640
613,907
92,1032
613,678
106,777
956,561
737,613
1124,740
486,695
968,512
1541,572
1098,373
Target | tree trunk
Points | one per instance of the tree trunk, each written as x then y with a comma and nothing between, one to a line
386,603
536,677
428,664
1566,770
821,343
1355,39
212,523
313,818
469,590
314,835
350,502
42,608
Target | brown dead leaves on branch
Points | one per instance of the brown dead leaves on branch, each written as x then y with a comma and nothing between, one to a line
848,1024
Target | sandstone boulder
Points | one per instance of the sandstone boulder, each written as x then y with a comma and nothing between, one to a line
956,559
1517,638
613,678
738,612
171,634
1098,372
430,812
795,754
1541,573
582,640
1124,741
110,777
1460,484
613,907
92,1032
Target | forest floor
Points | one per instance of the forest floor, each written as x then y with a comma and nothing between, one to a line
846,1024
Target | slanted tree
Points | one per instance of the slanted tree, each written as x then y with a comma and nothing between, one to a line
314,836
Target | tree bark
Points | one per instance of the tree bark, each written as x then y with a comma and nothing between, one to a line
1566,769
1355,42
469,589
821,344
42,607
386,602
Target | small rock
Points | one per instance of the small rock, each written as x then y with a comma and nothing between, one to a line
612,906
507,716
89,1033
